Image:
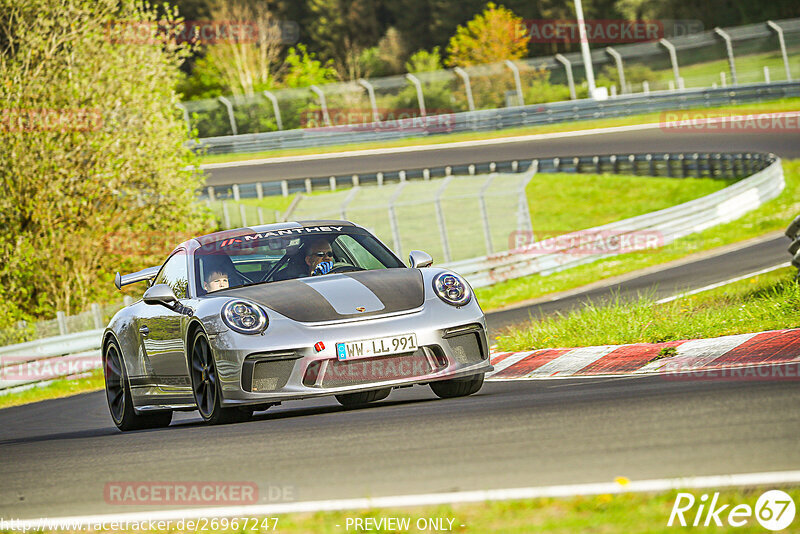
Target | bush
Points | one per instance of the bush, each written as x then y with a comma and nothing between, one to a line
102,184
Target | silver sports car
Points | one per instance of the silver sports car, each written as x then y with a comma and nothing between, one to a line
237,321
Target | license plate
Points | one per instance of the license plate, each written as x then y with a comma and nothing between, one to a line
379,346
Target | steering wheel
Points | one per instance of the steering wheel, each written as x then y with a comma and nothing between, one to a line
344,268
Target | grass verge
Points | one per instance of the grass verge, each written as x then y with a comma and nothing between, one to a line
765,302
771,216
786,104
54,390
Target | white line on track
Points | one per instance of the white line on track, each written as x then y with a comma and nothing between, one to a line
474,143
431,499
723,283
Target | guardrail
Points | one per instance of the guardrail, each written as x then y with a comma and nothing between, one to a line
675,165
499,119
667,225
38,361
42,360
793,233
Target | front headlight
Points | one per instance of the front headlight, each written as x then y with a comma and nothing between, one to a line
452,289
244,317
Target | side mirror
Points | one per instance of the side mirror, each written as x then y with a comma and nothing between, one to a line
418,259
160,294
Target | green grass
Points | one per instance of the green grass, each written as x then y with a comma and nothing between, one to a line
561,203
749,69
786,104
54,390
765,302
773,215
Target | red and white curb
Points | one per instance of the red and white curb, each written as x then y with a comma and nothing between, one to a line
728,352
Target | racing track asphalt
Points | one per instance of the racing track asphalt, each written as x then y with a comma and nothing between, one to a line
57,456
785,144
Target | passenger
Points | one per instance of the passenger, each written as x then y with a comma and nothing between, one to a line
216,280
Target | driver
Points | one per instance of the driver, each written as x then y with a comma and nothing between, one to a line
319,257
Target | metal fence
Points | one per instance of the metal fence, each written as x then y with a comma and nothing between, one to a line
96,317
452,218
462,212
763,52
499,119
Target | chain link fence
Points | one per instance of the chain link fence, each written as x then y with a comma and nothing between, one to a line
452,218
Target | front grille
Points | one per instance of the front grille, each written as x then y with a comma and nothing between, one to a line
369,370
260,374
466,348
270,376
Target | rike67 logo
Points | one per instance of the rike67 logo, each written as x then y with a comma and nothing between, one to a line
774,510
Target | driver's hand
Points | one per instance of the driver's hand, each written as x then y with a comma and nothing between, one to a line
324,267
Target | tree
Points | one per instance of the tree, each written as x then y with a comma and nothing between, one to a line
340,30
490,37
250,64
424,61
95,174
304,69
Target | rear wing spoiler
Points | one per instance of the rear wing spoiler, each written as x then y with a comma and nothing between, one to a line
145,274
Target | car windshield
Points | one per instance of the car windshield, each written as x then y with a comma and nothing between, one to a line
287,254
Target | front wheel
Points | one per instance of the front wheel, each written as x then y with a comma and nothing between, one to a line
118,395
363,397
206,388
457,387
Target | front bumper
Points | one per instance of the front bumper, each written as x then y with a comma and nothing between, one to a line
283,364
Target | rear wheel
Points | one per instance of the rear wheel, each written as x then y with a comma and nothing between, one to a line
363,397
118,395
206,388
457,387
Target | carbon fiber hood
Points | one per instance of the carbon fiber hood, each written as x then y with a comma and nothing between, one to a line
338,296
